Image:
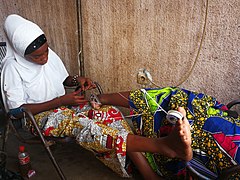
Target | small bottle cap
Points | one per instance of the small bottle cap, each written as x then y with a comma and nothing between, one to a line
21,148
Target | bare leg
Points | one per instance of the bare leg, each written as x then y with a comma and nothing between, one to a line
143,166
181,136
176,145
115,99
181,148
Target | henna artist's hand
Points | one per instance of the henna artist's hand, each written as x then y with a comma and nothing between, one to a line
72,98
86,83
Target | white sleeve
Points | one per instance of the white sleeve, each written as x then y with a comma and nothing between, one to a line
11,85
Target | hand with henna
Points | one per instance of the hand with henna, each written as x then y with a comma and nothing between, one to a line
85,83
73,98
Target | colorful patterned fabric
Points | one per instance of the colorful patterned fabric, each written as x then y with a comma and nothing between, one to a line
215,135
103,131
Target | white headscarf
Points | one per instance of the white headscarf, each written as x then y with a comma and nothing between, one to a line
23,81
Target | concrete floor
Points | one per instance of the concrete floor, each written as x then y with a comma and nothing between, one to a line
75,162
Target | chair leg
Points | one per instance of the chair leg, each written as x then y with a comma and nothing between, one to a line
46,145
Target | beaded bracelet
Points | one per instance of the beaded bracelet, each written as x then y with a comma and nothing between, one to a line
74,80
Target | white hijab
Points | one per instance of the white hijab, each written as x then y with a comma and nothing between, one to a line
23,81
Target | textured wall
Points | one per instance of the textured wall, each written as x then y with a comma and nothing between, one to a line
57,18
119,37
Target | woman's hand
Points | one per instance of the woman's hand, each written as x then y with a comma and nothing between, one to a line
73,98
85,83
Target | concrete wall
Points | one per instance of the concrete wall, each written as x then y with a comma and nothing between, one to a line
120,37
57,18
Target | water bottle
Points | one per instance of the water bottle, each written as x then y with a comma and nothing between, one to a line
24,163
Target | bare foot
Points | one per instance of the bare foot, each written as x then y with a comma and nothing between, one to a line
179,140
94,101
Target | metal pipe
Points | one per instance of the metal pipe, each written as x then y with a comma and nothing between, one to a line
60,173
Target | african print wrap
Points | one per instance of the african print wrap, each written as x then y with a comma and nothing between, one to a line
215,135
103,131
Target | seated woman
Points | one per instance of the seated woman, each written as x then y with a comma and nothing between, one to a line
215,132
33,77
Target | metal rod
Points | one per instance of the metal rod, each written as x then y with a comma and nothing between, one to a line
60,173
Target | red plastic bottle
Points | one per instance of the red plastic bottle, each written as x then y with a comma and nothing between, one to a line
24,163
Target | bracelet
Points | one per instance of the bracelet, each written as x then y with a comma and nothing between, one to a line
74,80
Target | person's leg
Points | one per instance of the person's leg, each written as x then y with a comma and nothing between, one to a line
115,99
176,145
143,166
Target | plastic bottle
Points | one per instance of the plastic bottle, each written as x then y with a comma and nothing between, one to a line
24,163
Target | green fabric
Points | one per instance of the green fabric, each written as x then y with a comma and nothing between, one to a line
155,92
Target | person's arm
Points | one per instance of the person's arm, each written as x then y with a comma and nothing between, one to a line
40,107
68,99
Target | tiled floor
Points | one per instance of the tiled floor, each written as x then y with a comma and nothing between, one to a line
75,162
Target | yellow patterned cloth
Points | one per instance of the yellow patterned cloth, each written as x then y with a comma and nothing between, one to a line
103,131
215,134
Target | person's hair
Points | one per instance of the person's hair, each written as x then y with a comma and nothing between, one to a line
37,43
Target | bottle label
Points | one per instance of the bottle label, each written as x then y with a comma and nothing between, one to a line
24,160
31,173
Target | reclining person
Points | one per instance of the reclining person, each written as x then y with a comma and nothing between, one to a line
214,129
33,77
